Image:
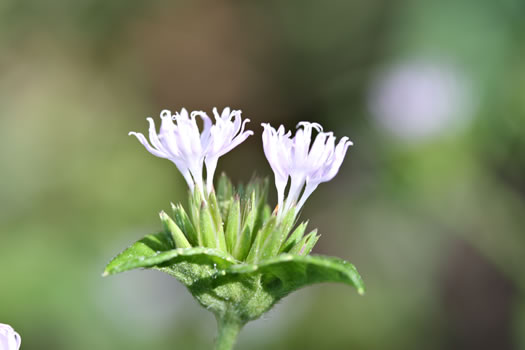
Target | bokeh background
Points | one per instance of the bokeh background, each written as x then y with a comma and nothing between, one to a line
429,204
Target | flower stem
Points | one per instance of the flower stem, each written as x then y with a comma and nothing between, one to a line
229,329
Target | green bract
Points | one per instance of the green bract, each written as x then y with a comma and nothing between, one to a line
234,255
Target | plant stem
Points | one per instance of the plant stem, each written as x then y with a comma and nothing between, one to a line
229,329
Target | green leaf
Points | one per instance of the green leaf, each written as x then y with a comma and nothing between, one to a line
287,273
158,251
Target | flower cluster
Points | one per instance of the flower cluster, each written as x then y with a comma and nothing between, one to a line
235,255
307,164
189,148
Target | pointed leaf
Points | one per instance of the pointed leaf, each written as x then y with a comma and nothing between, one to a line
156,250
287,273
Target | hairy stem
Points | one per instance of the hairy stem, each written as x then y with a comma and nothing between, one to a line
229,329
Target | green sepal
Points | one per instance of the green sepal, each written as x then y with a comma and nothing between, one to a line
183,221
195,203
233,224
257,251
294,238
311,240
244,239
224,190
243,244
306,243
288,221
207,227
260,192
217,220
171,227
266,213
273,242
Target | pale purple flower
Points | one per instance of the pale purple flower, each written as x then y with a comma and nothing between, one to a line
307,164
421,99
189,148
9,339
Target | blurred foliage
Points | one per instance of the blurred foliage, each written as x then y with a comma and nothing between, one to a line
435,226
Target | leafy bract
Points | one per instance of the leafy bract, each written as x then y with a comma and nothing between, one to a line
234,255
287,273
158,251
227,286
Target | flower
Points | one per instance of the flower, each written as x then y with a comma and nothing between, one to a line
306,166
189,148
9,339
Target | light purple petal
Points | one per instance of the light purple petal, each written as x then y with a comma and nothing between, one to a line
9,338
146,144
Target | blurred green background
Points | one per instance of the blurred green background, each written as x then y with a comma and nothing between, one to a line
429,204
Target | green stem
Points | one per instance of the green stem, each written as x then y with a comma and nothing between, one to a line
229,329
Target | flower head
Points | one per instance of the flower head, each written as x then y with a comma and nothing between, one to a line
9,339
189,148
307,164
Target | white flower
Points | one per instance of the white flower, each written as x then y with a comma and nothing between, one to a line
186,146
306,164
9,339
